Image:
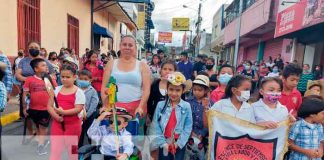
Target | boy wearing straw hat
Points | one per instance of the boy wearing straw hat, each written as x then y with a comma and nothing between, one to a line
106,137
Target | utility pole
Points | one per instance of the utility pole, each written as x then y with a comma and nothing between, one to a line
198,29
238,30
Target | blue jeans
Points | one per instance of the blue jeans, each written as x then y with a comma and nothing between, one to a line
178,156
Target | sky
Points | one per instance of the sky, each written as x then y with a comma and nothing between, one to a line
165,10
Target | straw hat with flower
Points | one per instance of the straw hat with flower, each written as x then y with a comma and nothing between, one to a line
178,79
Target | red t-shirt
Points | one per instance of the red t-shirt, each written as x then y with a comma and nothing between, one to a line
291,101
96,73
217,94
38,94
171,126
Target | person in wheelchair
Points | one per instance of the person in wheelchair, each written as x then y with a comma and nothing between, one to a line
105,135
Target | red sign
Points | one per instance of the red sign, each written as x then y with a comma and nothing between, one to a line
165,37
298,16
244,148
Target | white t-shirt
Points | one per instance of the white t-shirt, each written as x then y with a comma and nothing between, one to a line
270,64
272,74
264,113
227,107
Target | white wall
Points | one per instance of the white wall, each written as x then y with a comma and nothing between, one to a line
309,54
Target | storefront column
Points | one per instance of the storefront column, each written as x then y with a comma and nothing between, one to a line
260,51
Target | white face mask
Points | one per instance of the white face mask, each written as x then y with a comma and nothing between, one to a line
245,96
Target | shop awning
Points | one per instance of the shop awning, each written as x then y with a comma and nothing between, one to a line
97,29
121,15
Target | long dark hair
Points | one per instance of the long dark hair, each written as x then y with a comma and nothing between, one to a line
235,82
172,62
91,52
155,55
51,55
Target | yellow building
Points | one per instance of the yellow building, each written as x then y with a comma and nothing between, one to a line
60,23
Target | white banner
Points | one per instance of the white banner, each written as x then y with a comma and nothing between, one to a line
231,138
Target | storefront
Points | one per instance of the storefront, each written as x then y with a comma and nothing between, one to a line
304,23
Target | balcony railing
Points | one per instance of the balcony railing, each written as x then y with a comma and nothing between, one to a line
232,11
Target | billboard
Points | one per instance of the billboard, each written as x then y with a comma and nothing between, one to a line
141,20
298,16
180,24
165,37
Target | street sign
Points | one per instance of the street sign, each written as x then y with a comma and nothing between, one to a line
165,37
180,24
141,20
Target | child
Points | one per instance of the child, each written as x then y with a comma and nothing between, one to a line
105,136
35,87
306,136
3,90
199,105
234,103
91,104
225,73
275,72
290,96
268,110
315,88
71,101
159,87
172,121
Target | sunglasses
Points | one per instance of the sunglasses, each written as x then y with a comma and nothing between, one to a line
111,121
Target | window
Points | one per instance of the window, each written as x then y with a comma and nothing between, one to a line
73,33
28,13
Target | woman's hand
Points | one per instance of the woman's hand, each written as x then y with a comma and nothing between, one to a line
139,110
122,156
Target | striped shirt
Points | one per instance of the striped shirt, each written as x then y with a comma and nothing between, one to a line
3,96
302,84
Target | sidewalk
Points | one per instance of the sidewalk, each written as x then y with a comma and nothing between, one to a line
11,113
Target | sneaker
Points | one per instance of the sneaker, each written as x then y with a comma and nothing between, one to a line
41,150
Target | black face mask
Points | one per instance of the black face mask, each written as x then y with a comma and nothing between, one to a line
34,52
20,54
209,67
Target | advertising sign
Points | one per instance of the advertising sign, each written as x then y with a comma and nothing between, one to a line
180,24
165,37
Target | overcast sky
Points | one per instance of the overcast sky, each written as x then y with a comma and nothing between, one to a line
165,10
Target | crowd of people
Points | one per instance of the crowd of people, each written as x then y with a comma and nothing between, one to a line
171,97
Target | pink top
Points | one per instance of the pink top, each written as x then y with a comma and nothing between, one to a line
96,73
217,94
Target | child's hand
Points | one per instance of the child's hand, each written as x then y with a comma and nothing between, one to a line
123,156
103,115
291,117
268,124
59,118
205,103
25,112
311,153
59,110
173,148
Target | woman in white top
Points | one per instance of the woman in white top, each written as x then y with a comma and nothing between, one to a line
132,78
234,103
268,110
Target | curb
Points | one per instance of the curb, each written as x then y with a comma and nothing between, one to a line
9,118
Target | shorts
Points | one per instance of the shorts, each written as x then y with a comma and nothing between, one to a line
39,117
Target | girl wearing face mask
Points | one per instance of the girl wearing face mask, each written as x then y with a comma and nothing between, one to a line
226,72
268,110
234,103
249,72
274,73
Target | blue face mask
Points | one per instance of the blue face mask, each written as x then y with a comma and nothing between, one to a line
83,83
247,67
224,78
275,70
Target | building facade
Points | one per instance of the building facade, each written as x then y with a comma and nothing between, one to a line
258,22
61,23
303,23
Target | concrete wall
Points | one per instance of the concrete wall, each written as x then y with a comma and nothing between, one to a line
54,23
8,27
255,16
